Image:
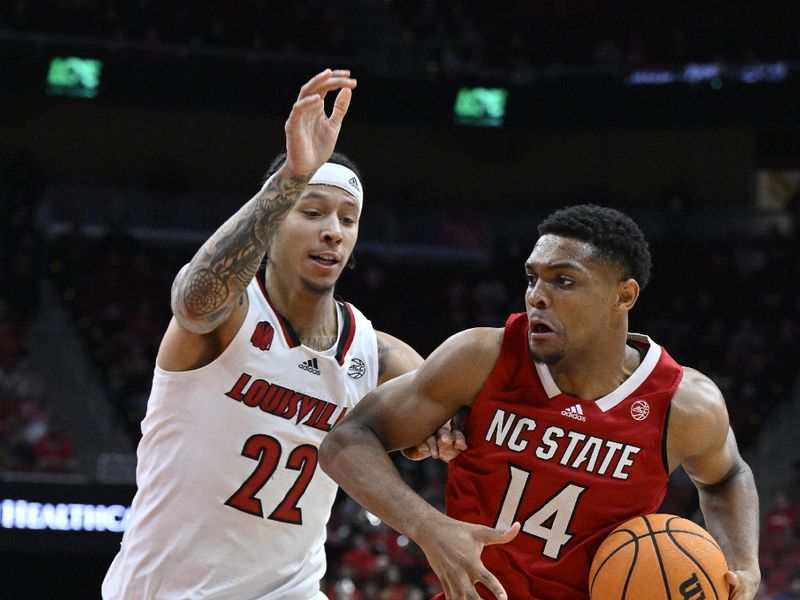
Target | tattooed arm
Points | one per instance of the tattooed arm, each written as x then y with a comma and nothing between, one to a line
395,357
209,301
206,291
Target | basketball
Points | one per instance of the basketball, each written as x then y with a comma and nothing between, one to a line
658,557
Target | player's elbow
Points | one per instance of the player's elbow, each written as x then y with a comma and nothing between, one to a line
332,455
330,448
188,314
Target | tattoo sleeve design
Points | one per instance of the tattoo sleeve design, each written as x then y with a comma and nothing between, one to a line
383,350
206,290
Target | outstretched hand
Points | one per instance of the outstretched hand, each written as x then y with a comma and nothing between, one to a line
311,134
454,551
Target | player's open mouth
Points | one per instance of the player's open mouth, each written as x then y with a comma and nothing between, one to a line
326,260
540,329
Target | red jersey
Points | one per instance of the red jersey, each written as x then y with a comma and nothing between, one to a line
568,470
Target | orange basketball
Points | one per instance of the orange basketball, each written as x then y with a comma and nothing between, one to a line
658,557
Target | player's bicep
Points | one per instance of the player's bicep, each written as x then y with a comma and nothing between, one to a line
408,409
399,413
699,431
715,464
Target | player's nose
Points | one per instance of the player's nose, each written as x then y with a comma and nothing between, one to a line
332,230
536,295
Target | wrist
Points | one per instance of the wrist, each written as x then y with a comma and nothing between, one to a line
290,170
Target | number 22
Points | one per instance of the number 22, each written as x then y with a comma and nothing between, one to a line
561,508
267,451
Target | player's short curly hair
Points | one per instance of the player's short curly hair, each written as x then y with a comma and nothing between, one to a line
615,235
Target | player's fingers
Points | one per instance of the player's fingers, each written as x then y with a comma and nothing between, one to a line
445,435
459,441
310,86
418,452
340,106
497,536
433,447
733,581
492,584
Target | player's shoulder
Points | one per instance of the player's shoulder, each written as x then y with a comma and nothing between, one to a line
697,393
698,415
477,347
478,339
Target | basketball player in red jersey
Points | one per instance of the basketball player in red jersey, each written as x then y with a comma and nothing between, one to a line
574,427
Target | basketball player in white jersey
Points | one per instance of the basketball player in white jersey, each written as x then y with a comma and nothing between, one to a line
255,368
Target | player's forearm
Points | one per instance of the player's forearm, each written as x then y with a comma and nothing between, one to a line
355,458
730,509
206,290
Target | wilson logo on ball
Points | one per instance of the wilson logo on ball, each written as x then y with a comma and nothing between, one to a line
691,589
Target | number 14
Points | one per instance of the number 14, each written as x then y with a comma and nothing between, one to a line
560,508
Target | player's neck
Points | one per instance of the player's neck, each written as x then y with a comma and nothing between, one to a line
312,313
596,373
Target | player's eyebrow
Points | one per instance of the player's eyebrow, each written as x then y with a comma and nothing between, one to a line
314,194
560,264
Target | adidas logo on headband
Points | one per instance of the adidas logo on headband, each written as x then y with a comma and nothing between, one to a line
341,177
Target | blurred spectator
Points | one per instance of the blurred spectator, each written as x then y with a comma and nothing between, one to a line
781,519
793,589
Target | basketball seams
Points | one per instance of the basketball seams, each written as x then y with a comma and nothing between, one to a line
652,536
692,558
634,540
616,584
630,569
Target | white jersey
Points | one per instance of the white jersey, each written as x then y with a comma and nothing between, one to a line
231,502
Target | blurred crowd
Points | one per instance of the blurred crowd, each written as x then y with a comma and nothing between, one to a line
438,37
779,553
30,437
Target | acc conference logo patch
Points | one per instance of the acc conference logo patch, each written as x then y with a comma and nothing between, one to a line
357,368
639,410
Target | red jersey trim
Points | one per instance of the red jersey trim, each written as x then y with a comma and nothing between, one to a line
348,332
289,334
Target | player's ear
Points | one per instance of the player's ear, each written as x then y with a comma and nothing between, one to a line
627,294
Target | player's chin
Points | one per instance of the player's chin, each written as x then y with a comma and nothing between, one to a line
545,357
319,285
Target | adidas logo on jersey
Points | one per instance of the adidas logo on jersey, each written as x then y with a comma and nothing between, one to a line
574,412
310,365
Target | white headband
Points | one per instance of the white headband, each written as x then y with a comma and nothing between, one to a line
341,177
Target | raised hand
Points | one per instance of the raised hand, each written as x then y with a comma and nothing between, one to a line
310,134
453,549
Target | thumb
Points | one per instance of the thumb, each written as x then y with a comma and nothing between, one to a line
340,106
733,580
498,536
